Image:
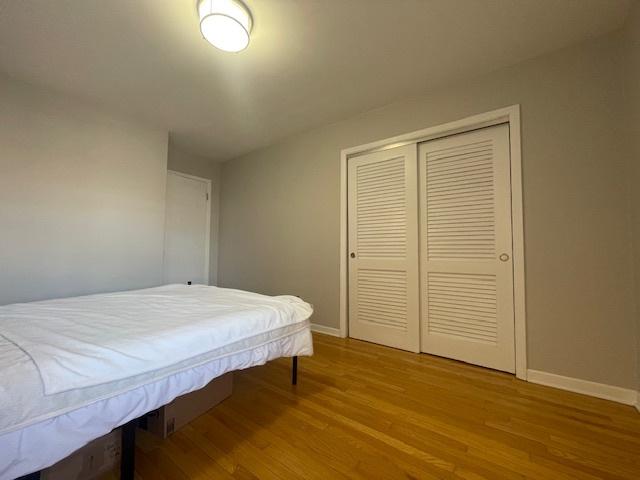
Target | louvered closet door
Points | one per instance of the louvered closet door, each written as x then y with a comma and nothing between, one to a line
383,248
466,238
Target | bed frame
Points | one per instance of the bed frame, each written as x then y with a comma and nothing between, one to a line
128,459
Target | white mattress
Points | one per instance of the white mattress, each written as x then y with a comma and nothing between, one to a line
38,429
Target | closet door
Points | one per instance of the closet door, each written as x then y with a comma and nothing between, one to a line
383,248
466,248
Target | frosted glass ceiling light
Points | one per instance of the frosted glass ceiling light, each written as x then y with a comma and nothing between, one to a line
225,24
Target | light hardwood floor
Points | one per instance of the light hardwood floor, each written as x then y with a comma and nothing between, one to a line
366,411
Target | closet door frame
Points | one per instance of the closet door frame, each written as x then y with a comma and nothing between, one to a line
510,115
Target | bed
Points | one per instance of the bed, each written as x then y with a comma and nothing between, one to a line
74,369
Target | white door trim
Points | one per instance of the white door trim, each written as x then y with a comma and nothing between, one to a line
509,115
208,229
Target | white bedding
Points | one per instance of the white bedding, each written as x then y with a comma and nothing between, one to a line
80,342
38,429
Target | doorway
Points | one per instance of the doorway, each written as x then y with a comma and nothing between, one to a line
187,227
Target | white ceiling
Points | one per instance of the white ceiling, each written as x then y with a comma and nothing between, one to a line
310,62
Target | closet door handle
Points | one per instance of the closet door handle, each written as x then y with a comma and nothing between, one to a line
352,255
504,257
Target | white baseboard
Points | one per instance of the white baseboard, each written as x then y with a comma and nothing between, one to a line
335,332
576,385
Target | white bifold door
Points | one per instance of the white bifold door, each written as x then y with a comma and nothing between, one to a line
430,242
465,254
383,248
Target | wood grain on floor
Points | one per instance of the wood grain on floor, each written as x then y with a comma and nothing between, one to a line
370,412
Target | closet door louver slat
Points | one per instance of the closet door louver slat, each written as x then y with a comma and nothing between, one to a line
462,310
382,297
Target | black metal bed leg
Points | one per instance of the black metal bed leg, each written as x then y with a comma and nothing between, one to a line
294,371
128,457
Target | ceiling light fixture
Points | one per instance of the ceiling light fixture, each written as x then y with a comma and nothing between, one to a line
225,24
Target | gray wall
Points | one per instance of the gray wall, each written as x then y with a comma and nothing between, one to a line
181,161
280,206
81,198
632,90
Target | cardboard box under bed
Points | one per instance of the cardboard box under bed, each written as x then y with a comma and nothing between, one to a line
103,454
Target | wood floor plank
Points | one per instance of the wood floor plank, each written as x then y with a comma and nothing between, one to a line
364,411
